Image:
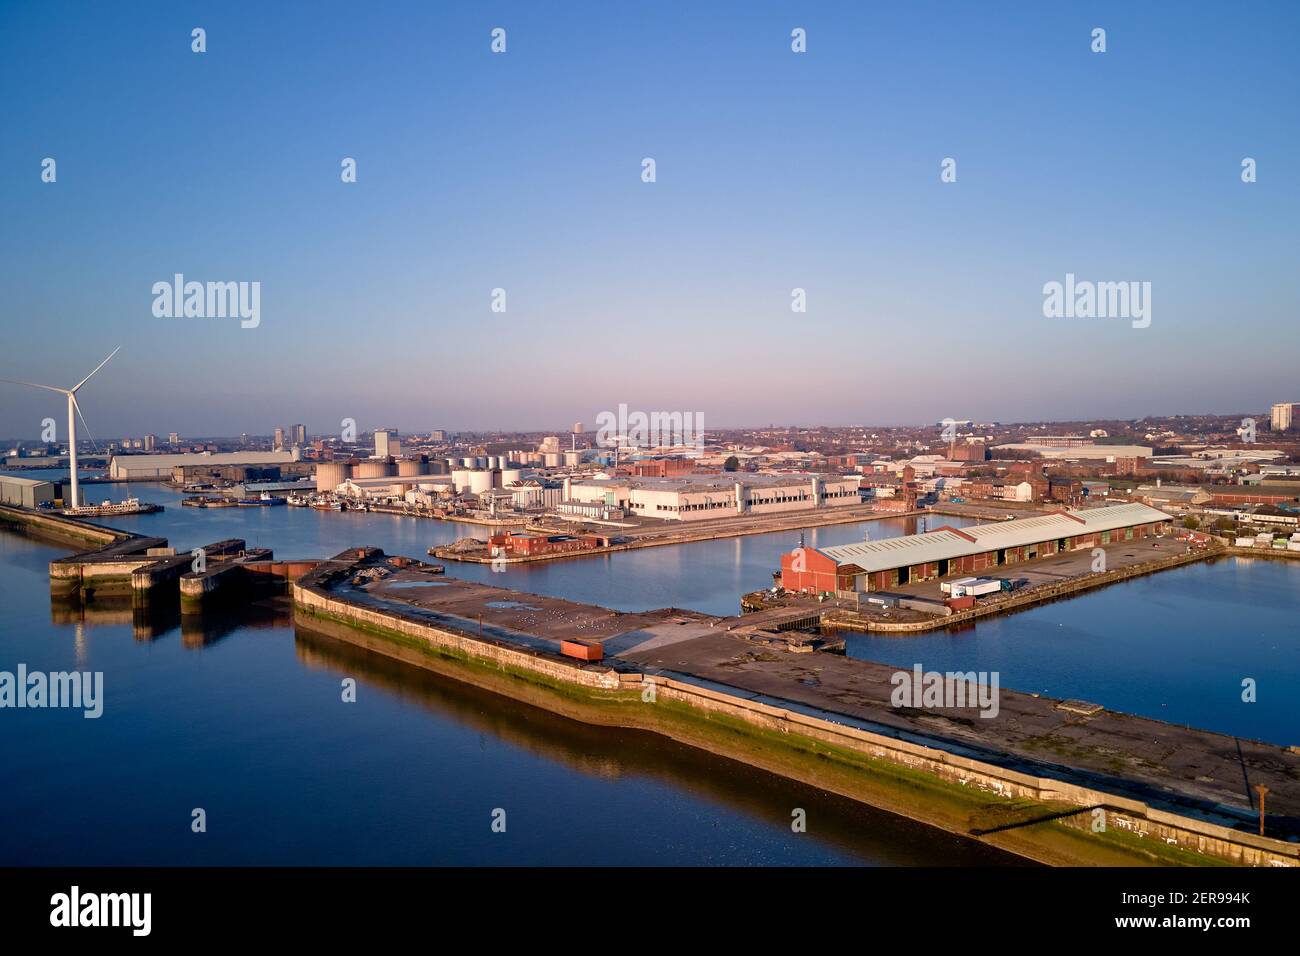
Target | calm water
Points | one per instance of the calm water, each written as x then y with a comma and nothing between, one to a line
708,576
243,718
1175,646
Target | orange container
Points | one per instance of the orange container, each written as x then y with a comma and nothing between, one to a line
582,650
961,603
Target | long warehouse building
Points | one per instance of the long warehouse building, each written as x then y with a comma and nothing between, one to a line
893,562
699,497
159,467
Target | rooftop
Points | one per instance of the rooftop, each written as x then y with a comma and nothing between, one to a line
944,543
723,482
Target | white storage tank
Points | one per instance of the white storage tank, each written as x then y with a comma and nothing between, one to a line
480,480
510,476
460,479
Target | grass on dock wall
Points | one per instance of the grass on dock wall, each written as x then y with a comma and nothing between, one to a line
877,782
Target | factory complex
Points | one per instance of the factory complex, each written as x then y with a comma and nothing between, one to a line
894,562
699,497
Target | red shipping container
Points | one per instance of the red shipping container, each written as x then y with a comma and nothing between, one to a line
961,603
582,650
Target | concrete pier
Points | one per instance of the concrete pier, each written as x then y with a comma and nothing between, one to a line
225,578
106,570
1166,790
146,570
76,532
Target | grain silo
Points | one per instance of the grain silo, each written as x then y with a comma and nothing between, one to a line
331,474
375,468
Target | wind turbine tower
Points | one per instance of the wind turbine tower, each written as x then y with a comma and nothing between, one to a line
74,412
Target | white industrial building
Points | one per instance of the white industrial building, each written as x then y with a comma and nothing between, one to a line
159,467
385,487
26,492
695,497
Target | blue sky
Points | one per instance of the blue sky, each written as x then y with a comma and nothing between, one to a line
522,171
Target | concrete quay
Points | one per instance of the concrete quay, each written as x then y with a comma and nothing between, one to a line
145,569
58,528
644,533
1025,777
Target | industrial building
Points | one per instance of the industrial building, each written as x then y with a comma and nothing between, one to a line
27,492
701,497
525,544
1076,451
535,493
893,562
379,487
159,467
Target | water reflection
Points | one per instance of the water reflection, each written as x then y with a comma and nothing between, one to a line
613,754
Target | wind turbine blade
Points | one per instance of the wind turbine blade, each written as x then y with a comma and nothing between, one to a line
48,388
77,406
97,368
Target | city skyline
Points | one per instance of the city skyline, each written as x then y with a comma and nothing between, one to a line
776,171
453,431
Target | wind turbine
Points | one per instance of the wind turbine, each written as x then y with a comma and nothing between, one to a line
74,412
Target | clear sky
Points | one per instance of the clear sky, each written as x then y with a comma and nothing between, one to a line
522,171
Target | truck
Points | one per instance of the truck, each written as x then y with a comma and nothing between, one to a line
974,587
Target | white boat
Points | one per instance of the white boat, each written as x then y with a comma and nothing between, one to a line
131,506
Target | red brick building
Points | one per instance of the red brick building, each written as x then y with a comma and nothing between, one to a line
894,562
523,544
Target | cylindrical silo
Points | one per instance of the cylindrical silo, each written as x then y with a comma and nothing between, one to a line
510,476
412,466
480,480
331,474
375,468
460,479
